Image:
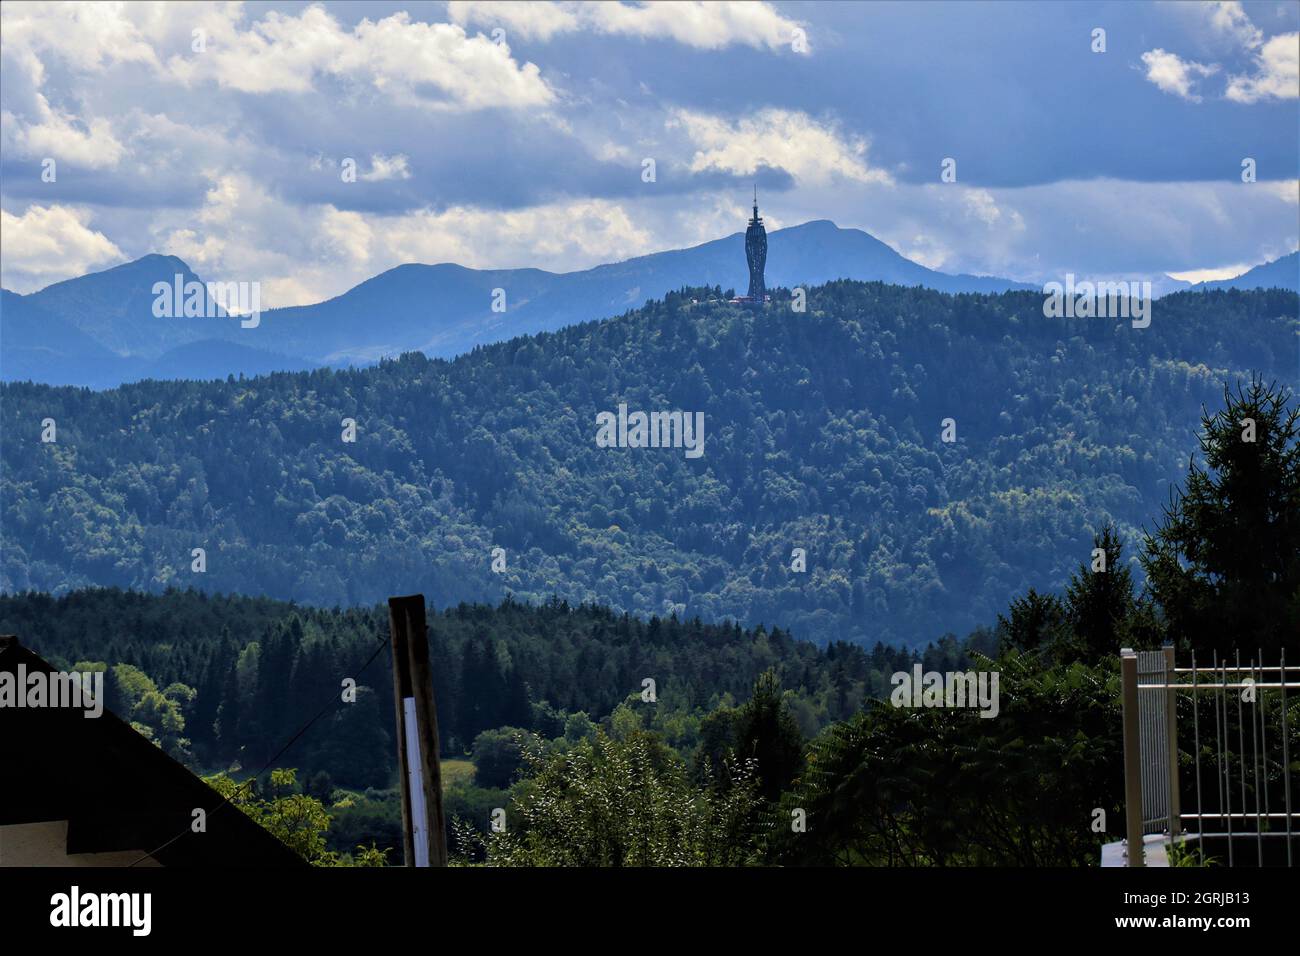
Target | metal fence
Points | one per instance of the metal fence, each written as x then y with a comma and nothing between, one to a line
1238,770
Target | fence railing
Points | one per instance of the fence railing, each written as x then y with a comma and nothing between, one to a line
1234,790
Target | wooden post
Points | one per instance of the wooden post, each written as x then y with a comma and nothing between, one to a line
1171,706
1128,665
424,837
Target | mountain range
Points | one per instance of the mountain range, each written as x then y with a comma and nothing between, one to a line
99,330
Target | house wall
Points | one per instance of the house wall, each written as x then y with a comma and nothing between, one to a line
46,843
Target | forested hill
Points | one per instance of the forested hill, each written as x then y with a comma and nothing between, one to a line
822,431
243,674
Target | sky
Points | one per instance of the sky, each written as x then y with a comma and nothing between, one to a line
310,146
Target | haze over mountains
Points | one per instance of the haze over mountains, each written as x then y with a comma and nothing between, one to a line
99,330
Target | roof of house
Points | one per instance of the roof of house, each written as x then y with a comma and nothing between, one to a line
117,790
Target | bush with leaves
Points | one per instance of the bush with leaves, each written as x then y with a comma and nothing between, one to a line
627,802
297,820
943,786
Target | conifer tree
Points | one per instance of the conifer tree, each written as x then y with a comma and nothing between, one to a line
1224,565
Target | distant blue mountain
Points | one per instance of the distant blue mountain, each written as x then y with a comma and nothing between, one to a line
39,345
445,310
1281,273
99,330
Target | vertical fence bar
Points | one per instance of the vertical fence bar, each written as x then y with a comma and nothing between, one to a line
1241,741
1196,742
1263,735
1227,759
1171,714
1254,744
1132,758
1286,761
1218,739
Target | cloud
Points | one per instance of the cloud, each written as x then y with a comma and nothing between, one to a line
1277,72
580,231
1275,62
88,36
1287,190
49,243
1175,75
1213,274
305,253
789,140
61,136
1229,20
530,19
436,64
980,204
433,63
706,26
83,37
386,167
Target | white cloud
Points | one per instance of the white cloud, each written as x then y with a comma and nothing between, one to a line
84,37
568,234
980,204
926,250
531,19
1213,274
707,26
49,243
348,234
1276,62
386,167
432,63
60,136
305,254
89,36
1277,72
1287,190
1175,75
1228,19
784,139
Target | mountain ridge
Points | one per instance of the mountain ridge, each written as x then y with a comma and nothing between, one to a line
108,335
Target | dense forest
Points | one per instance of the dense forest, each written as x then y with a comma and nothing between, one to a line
824,431
607,740
242,674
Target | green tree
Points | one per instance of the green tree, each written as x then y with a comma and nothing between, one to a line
626,802
1033,621
767,733
297,820
498,755
943,786
1224,564
1099,598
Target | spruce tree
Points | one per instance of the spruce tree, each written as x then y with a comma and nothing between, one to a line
1224,565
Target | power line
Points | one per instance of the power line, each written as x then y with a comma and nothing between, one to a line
383,643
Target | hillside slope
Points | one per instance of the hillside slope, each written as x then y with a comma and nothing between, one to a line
822,432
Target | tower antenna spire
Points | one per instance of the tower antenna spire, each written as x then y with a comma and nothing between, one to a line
756,254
